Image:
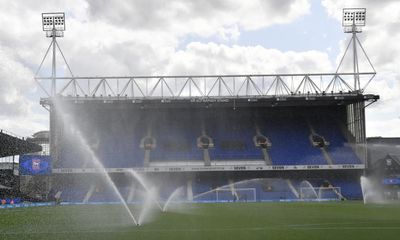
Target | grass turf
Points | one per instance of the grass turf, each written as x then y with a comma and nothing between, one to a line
333,220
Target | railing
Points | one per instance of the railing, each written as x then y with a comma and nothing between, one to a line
12,134
7,162
207,85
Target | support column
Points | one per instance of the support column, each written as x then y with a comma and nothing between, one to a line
146,162
206,156
210,144
266,156
53,68
189,190
54,132
147,143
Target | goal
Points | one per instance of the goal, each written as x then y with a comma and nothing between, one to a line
321,193
236,195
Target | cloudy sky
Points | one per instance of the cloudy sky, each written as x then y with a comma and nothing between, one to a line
155,37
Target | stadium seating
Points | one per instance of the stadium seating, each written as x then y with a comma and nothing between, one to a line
176,137
73,194
351,188
232,132
290,142
339,149
269,189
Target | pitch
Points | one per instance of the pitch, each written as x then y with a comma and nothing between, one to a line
301,220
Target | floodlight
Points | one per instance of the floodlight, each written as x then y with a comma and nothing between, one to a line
53,24
354,17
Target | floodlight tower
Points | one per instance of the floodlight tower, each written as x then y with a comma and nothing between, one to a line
353,20
54,26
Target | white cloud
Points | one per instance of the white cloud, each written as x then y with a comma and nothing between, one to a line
24,125
15,79
380,39
141,38
211,58
17,111
22,45
205,18
118,38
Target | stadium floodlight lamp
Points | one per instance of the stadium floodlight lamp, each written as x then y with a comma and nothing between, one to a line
353,19
53,24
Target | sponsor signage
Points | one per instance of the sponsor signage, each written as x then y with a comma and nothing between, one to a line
214,168
391,181
34,165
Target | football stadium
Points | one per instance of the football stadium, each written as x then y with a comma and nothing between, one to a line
253,156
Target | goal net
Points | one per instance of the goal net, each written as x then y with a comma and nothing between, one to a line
236,195
321,193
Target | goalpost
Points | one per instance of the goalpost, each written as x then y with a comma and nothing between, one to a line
236,195
321,193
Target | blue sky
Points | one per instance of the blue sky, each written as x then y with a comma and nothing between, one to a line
313,31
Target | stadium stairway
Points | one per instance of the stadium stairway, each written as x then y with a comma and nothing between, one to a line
291,134
339,148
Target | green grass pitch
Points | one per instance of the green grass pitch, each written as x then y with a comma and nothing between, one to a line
301,220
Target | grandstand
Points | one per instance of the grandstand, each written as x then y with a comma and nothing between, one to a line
206,141
246,156
260,136
11,146
380,147
384,166
280,145
175,132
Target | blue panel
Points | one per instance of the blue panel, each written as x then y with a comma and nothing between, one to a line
391,181
34,165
